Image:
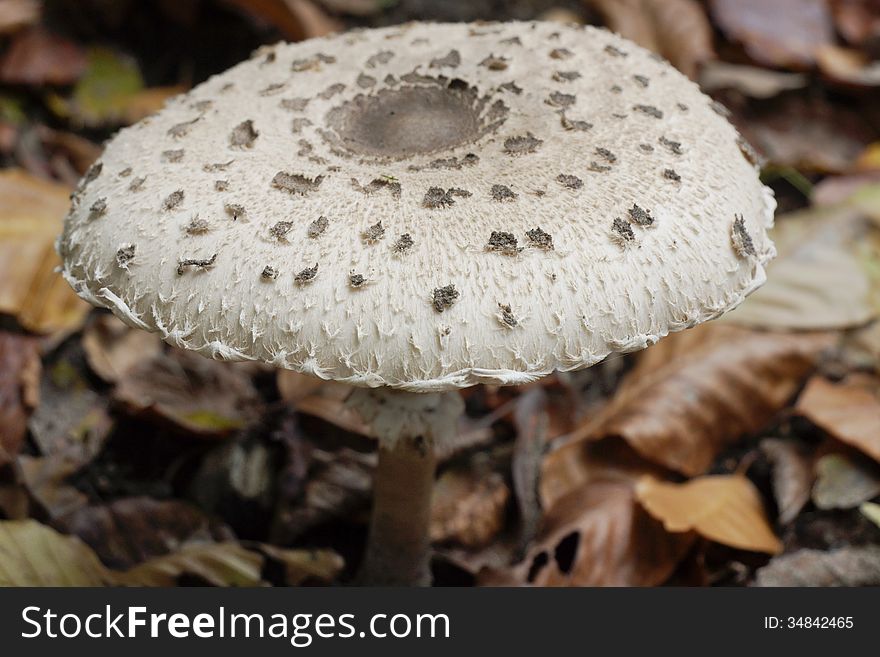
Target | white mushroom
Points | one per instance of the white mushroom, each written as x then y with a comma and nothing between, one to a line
586,189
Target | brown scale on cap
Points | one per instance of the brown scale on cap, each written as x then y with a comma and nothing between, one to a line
503,193
574,125
642,81
221,185
559,99
673,146
243,135
137,184
173,200
217,166
200,264
503,242
332,90
443,297
235,210
403,243
125,173
181,129
742,241
280,229
512,87
650,110
269,273
307,275
569,181
98,208
383,183
614,51
670,174
356,280
494,63
297,125
379,58
374,233
296,183
566,76
124,255
640,216
540,239
317,227
197,226
621,232
173,156
561,53
506,316
522,145
451,60
595,167
366,81
295,104
273,89
606,155
311,63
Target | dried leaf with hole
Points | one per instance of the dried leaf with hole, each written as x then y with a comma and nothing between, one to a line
792,476
597,535
19,390
36,57
782,33
848,411
699,391
32,554
195,395
30,289
676,29
726,509
821,279
848,566
468,507
112,348
844,483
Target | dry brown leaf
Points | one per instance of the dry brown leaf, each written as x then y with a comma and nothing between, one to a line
847,66
676,29
781,33
597,535
37,57
19,390
468,507
845,483
30,289
848,411
849,566
32,554
750,81
294,19
699,391
131,530
112,348
822,278
871,511
726,509
792,476
15,14
196,395
45,479
304,567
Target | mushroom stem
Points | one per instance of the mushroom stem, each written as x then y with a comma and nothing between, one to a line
412,428
398,546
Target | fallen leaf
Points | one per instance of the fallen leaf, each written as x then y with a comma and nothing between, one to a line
676,29
294,19
844,483
112,348
304,567
30,289
699,391
849,566
848,66
820,280
726,509
131,530
46,480
32,554
37,57
19,390
324,400
792,476
531,420
15,14
468,507
750,81
871,511
848,411
193,394
782,33
597,535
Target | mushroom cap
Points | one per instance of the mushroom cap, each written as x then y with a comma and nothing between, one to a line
426,207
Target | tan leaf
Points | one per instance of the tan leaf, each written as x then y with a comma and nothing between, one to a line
196,395
751,81
696,392
15,14
871,511
792,476
305,567
32,554
36,57
321,399
849,566
468,507
844,483
781,33
294,19
597,535
46,481
848,66
848,411
19,390
676,29
821,279
30,289
726,509
112,348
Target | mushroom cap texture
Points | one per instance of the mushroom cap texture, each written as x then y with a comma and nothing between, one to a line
426,207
